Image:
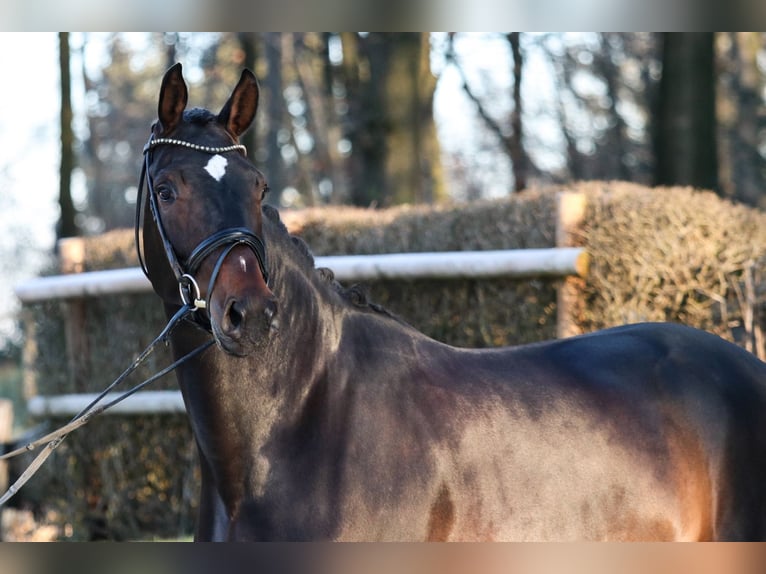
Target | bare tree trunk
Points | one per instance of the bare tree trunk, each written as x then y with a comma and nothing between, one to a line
311,69
686,129
574,159
171,40
411,151
513,143
275,167
248,42
366,123
67,226
427,167
742,119
390,88
516,144
616,133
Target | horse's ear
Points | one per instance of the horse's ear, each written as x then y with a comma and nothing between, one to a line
173,98
238,113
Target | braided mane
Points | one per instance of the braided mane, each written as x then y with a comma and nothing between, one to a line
355,295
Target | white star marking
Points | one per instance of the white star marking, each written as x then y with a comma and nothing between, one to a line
216,167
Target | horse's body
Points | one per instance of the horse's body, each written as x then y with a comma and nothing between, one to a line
338,421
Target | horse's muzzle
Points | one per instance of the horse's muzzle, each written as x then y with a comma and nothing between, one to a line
243,309
246,323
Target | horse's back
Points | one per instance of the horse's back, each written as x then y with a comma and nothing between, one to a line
649,431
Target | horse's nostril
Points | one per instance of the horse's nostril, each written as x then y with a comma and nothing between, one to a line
235,315
247,317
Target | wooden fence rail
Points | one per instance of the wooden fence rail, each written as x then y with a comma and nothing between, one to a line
511,263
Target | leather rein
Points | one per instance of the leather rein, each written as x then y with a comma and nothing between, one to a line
190,299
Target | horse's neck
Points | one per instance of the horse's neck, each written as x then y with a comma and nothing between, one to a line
235,403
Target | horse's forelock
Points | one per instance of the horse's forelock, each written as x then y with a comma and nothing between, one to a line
199,116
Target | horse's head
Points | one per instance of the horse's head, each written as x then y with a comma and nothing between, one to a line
203,236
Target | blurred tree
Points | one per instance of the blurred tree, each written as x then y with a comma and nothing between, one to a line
348,118
250,48
389,88
122,102
685,136
606,86
741,116
121,106
607,67
516,149
67,226
275,110
314,77
508,130
611,112
171,40
603,87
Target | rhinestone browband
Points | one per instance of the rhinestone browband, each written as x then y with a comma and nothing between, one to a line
204,148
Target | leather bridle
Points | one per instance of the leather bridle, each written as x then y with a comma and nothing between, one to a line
191,301
229,238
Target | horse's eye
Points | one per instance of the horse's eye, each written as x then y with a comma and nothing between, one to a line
266,189
165,194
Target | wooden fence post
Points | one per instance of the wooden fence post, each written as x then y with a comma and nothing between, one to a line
72,260
6,432
570,215
71,254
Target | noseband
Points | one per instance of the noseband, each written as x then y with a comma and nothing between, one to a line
227,238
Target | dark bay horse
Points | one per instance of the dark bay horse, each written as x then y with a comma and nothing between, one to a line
319,416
